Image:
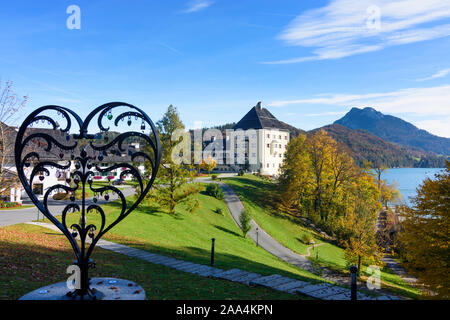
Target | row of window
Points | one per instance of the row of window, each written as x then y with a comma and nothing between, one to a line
273,165
274,136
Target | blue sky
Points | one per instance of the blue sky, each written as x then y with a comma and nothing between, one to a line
308,61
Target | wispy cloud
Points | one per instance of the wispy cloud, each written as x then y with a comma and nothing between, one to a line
197,5
438,74
432,102
346,27
422,101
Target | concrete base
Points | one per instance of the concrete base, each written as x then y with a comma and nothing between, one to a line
112,289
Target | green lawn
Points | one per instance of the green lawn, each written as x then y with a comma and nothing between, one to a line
257,196
188,236
32,257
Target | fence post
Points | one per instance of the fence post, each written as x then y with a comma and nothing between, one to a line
212,251
353,270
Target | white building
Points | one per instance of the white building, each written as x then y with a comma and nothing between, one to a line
267,141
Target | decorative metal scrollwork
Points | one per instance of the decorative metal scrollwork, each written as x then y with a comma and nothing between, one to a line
76,157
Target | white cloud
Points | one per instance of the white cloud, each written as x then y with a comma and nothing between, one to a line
438,127
347,27
431,101
438,74
197,5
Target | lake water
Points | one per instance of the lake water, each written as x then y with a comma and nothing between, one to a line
409,179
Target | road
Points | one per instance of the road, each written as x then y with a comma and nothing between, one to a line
15,216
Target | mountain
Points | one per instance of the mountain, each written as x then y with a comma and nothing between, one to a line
394,130
364,146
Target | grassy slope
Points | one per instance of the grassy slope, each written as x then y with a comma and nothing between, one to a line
32,257
255,192
188,236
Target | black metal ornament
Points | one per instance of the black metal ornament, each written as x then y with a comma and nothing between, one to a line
28,157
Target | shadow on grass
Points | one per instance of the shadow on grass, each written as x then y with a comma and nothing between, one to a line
31,262
262,194
222,260
228,231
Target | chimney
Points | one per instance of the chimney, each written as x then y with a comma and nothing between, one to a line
258,106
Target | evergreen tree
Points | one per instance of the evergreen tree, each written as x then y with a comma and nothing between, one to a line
173,177
245,220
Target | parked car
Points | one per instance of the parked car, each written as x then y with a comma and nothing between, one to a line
118,182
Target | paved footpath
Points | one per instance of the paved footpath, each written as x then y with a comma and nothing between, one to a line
15,216
323,291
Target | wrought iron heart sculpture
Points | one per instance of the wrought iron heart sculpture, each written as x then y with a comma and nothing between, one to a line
27,159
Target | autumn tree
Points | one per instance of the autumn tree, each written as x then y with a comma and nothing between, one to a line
173,176
10,105
425,235
358,234
208,164
294,177
389,193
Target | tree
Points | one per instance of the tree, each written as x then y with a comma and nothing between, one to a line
245,220
389,193
10,105
208,164
294,177
174,187
359,223
425,234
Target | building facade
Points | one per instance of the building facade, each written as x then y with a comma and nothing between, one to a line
265,141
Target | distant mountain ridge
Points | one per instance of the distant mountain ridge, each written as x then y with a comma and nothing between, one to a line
364,146
394,130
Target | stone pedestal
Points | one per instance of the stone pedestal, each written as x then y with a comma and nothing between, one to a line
112,289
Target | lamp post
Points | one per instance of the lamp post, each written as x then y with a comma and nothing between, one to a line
353,283
212,251
39,150
257,240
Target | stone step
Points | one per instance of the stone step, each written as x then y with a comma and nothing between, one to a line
328,292
278,282
248,277
235,275
312,287
290,286
227,273
263,280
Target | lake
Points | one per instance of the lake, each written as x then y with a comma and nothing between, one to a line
409,179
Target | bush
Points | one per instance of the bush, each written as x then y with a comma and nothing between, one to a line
307,238
214,177
214,190
219,211
4,204
245,219
241,172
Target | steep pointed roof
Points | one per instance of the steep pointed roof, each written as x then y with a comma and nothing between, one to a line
259,118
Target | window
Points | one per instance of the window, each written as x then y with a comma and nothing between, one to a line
267,165
253,155
285,137
279,137
280,146
268,145
280,155
268,135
